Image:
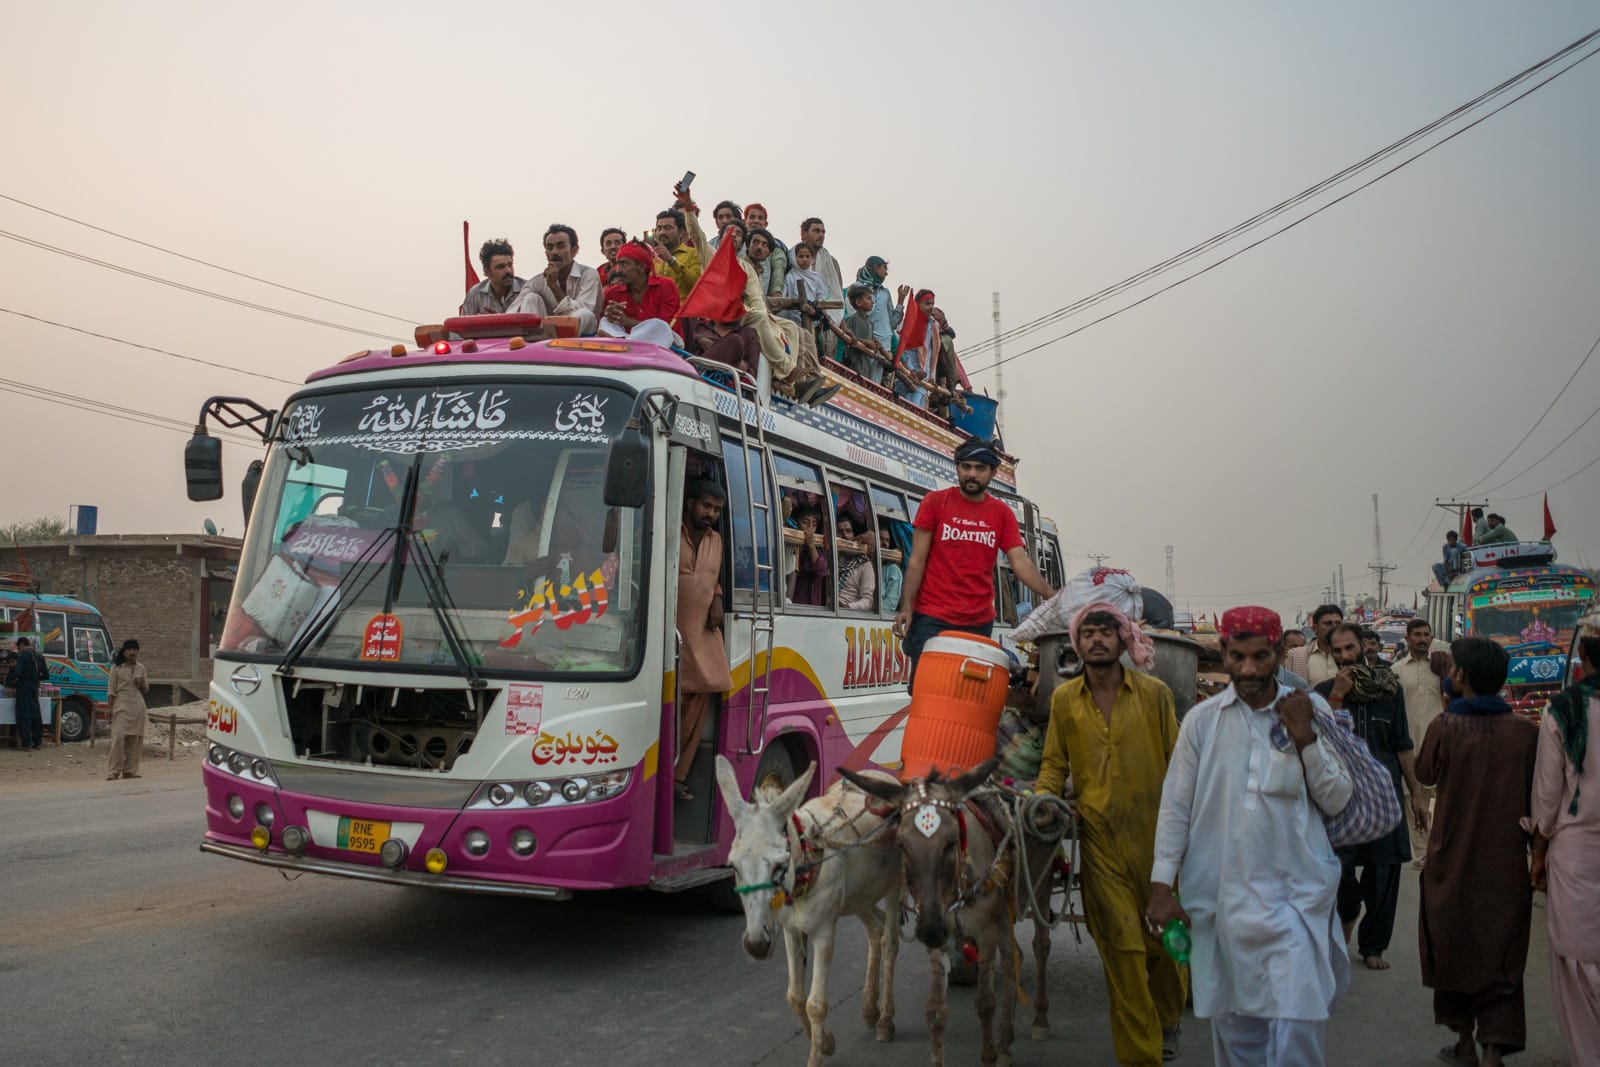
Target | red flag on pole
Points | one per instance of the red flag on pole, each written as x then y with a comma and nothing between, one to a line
466,254
1549,523
719,294
1466,527
913,332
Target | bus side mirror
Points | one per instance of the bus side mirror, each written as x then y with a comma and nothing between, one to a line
628,468
202,466
247,488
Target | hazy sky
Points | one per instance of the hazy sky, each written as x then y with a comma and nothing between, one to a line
1399,343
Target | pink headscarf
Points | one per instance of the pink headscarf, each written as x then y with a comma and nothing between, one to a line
1138,644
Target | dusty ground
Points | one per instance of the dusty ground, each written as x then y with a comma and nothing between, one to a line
80,763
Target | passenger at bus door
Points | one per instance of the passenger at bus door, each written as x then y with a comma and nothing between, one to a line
808,564
858,582
703,662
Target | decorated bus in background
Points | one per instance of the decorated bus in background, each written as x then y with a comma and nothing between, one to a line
76,645
450,658
1517,595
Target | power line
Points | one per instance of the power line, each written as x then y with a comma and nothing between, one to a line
202,262
1544,457
1552,485
1560,393
113,411
194,289
1283,206
149,348
1285,229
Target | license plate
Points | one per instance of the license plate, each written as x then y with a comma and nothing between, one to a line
362,835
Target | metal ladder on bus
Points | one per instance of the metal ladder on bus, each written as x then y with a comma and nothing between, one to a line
762,615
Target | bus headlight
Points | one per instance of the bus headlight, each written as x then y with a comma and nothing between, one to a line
236,805
393,852
476,842
264,815
537,793
523,842
217,755
295,839
500,795
574,790
238,763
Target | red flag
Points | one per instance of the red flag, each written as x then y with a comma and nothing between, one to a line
719,294
1466,527
466,254
1549,523
913,333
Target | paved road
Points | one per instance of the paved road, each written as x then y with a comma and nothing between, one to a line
122,943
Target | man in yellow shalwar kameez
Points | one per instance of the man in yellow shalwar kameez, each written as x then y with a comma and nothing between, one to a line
1114,730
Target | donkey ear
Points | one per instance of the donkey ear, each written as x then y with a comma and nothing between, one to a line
966,783
877,787
791,797
728,783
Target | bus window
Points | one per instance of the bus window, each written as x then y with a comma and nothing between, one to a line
806,569
53,632
1050,561
90,645
746,475
1006,591
894,545
855,544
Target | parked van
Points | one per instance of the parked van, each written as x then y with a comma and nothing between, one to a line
76,645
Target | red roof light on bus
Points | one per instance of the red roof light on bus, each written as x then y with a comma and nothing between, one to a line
441,348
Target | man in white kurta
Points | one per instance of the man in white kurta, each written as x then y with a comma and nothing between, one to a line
1241,835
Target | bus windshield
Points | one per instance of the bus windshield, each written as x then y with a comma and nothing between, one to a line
1531,628
433,526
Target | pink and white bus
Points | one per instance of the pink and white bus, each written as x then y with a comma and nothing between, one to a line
450,656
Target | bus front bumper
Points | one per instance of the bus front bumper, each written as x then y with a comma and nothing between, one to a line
417,879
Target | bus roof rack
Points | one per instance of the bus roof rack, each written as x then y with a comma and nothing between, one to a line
1514,554
27,583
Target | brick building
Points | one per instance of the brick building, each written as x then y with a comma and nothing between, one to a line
169,591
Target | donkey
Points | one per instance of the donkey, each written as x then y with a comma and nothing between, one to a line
958,877
801,870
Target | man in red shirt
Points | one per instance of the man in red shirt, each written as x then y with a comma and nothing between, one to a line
949,580
639,293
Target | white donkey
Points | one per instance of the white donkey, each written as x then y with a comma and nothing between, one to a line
801,867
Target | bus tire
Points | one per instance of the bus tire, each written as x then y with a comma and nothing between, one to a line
775,769
76,720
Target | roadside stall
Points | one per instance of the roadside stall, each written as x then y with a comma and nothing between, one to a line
49,695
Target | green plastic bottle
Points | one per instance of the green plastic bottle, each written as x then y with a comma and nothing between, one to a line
1175,939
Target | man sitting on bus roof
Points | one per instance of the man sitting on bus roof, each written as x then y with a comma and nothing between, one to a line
566,287
1495,531
500,286
638,294
1450,565
674,258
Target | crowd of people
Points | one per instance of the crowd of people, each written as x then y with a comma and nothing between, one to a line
790,305
1229,822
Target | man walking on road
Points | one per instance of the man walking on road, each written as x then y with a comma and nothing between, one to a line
1241,830
1421,670
1315,662
1477,897
949,580
1114,730
1373,698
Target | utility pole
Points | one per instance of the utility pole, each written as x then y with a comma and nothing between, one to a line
1172,587
999,377
1341,589
1098,557
1379,568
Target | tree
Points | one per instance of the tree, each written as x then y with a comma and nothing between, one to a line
44,528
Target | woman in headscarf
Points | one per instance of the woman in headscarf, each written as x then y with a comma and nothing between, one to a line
129,716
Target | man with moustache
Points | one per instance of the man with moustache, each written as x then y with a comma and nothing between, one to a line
1314,662
1113,731
500,287
1422,671
703,665
1241,831
949,579
611,241
813,232
1372,696
566,287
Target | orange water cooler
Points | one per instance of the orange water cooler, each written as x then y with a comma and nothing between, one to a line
956,701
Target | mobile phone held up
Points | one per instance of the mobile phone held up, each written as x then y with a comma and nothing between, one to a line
688,180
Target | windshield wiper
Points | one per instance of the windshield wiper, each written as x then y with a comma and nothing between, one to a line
444,608
328,609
